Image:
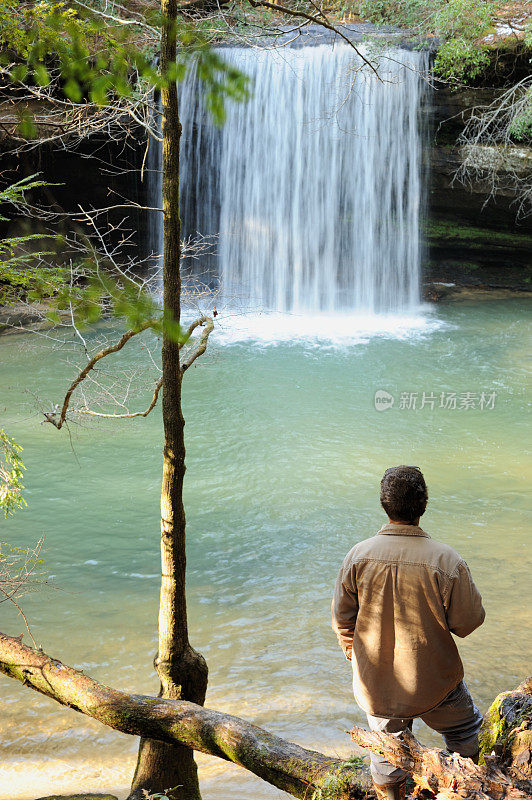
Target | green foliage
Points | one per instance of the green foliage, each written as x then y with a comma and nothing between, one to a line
17,277
11,474
458,23
397,12
520,127
50,38
38,23
91,58
15,192
88,292
460,60
527,39
96,294
464,18
222,81
104,295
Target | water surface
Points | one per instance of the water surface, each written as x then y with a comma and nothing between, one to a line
285,454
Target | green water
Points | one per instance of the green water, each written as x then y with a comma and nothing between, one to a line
285,453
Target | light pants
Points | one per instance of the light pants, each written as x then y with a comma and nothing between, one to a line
457,718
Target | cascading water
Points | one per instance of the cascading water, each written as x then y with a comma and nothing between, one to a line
313,187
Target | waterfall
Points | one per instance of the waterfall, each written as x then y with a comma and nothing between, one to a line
312,187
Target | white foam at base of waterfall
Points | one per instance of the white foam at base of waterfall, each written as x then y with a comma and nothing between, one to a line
319,329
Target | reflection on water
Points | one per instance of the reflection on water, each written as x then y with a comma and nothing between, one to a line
285,453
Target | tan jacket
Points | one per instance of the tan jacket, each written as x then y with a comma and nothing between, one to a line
398,597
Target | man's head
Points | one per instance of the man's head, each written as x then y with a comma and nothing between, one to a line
404,494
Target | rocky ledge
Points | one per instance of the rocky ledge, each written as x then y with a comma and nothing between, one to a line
474,233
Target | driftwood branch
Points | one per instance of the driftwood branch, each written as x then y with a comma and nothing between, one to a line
300,772
447,775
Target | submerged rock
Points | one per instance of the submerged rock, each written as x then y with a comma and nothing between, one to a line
89,796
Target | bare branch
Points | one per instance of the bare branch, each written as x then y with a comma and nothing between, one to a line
133,414
21,612
67,123
320,20
202,344
51,416
120,20
17,566
489,151
57,418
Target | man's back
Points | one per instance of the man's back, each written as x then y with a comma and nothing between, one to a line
397,598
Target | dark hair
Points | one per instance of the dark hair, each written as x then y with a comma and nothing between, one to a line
404,493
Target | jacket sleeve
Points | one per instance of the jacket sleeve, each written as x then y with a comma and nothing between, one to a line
345,608
464,609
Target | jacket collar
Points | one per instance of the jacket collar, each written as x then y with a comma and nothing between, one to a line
390,529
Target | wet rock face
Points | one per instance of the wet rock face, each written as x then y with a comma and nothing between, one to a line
472,239
96,173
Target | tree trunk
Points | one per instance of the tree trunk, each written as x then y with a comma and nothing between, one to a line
182,671
302,773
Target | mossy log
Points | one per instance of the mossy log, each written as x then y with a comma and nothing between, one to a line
299,772
505,738
506,744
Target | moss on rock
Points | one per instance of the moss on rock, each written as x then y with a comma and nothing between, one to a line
507,733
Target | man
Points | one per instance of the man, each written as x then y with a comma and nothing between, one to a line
398,598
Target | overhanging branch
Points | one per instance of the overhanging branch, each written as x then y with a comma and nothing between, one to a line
203,321
320,20
129,415
51,416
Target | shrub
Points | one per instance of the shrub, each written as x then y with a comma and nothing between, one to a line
520,127
463,19
398,12
460,60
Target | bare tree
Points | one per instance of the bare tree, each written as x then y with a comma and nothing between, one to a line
490,152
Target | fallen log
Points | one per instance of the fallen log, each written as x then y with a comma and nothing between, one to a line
506,738
506,743
302,773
